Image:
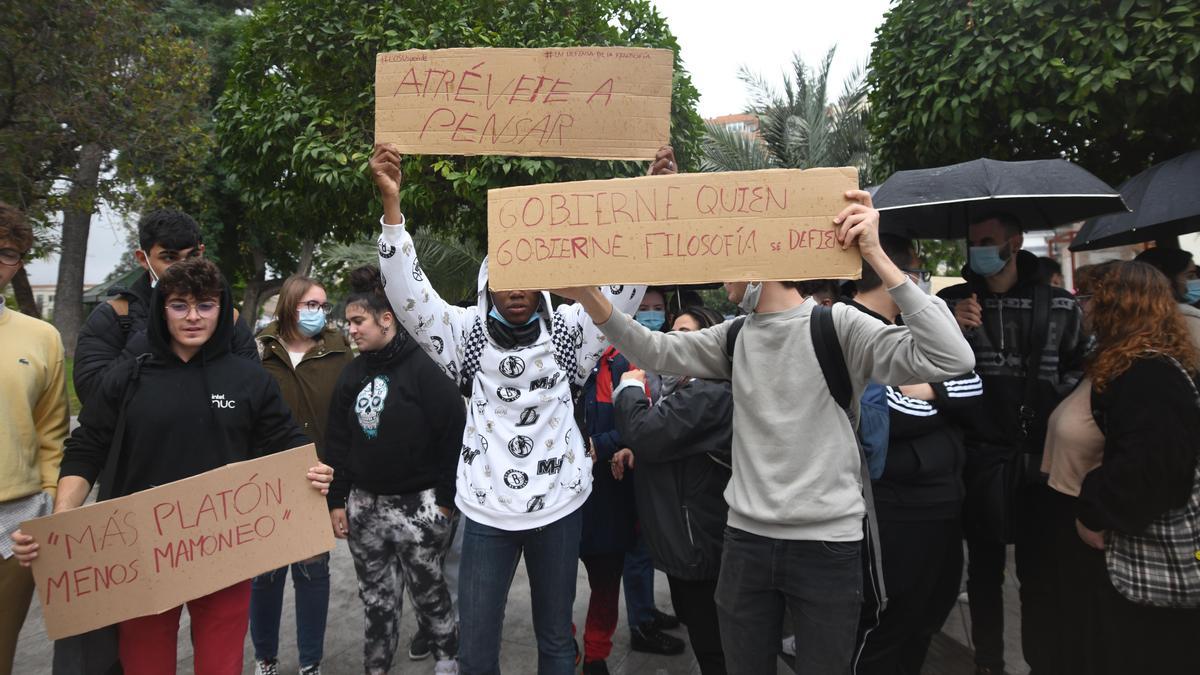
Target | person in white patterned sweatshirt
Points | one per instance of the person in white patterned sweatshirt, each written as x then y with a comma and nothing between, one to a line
525,471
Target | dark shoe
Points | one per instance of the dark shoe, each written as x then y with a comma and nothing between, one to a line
647,638
418,649
663,621
595,668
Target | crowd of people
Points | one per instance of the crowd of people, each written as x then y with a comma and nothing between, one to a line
804,474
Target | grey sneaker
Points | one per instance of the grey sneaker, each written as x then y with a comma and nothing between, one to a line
266,667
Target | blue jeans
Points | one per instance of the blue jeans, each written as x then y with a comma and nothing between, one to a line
311,583
820,582
638,578
489,561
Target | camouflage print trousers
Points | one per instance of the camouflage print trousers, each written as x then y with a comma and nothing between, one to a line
398,541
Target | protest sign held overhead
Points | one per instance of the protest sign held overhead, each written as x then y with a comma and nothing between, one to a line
775,224
156,549
593,102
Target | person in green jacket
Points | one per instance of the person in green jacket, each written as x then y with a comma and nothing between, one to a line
305,356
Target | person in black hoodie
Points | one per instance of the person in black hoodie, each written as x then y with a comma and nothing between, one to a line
681,447
995,310
918,495
393,438
189,407
165,237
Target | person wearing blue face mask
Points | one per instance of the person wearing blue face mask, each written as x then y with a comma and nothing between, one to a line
1180,270
305,355
998,308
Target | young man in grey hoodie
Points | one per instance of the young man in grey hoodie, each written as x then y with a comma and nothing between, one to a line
796,506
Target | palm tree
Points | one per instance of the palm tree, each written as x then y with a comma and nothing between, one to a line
450,263
798,129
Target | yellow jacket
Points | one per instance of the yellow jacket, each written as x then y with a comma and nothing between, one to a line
34,417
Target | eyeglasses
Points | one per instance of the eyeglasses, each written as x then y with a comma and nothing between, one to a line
181,310
921,275
10,256
313,305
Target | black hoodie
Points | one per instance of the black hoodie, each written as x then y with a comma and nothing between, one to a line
103,342
395,426
1001,344
183,418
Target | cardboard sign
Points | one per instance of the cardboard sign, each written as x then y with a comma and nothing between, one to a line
595,102
688,228
157,549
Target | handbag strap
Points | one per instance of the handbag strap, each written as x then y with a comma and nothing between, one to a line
108,475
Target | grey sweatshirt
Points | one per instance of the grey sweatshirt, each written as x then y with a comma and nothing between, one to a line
795,459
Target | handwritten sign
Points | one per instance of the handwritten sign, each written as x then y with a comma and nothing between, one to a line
688,228
596,102
156,549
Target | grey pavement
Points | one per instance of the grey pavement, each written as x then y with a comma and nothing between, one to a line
343,639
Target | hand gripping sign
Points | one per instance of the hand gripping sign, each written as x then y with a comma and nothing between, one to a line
157,549
594,102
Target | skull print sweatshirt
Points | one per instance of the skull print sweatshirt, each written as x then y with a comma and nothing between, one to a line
522,462
394,426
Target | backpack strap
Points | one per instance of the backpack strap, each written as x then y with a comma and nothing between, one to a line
837,378
731,336
109,473
120,305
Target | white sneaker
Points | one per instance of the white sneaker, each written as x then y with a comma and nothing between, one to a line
446,667
789,645
266,667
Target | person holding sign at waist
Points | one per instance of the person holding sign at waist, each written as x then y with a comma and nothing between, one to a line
186,407
524,470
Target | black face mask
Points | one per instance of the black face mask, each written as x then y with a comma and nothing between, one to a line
511,337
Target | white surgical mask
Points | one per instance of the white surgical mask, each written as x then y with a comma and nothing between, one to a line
150,269
751,297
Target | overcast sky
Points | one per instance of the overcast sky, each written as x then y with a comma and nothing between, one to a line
716,38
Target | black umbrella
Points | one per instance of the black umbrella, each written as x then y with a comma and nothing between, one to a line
1166,203
939,203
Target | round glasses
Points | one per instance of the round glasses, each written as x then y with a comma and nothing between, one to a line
181,310
313,305
10,256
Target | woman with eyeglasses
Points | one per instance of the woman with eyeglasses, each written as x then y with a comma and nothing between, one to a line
305,356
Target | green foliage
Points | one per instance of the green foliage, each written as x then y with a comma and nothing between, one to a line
99,72
1110,85
943,257
799,128
297,117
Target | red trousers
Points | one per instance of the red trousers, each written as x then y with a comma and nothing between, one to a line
219,620
604,578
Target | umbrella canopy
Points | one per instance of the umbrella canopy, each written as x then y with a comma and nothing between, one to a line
940,203
1166,203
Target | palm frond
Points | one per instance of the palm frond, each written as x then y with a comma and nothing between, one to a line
728,150
451,263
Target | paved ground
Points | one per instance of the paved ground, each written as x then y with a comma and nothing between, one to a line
343,642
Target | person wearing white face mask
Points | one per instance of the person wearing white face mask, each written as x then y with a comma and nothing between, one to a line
115,329
305,356
1028,364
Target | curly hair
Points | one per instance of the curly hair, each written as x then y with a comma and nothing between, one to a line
1133,311
195,277
15,229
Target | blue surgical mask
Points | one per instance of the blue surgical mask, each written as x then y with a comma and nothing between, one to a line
495,314
986,261
1192,295
312,322
651,318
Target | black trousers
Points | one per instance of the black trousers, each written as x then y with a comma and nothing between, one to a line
694,605
1036,572
922,567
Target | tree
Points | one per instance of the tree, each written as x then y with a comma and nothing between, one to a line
1110,85
798,129
296,121
84,125
451,263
